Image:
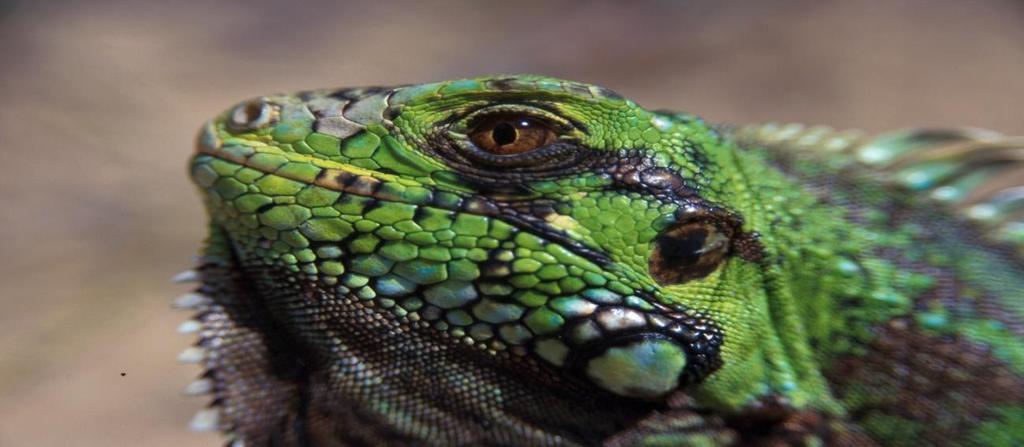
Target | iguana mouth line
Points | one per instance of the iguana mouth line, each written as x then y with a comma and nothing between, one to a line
347,182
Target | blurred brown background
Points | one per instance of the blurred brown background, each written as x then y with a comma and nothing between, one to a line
99,102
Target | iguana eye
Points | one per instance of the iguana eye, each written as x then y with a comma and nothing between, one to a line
511,134
688,251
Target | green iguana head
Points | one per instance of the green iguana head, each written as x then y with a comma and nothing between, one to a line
529,261
529,220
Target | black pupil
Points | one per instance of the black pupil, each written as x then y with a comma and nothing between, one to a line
504,133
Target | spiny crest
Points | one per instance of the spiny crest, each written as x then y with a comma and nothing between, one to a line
978,173
208,419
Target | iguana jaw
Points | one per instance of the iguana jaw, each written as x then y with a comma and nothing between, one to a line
629,352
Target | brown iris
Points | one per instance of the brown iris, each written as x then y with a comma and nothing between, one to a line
511,134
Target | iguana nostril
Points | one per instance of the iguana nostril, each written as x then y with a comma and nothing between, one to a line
688,251
253,115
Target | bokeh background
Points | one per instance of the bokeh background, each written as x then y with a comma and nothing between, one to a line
100,101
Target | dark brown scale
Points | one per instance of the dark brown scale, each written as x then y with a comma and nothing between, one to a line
919,377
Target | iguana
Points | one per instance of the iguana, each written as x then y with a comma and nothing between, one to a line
521,260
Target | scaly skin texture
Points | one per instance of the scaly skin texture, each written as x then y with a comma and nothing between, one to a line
374,276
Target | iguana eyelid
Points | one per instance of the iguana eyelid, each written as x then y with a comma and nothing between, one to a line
457,136
560,125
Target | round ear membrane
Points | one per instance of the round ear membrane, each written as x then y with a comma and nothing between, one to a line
511,134
688,251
